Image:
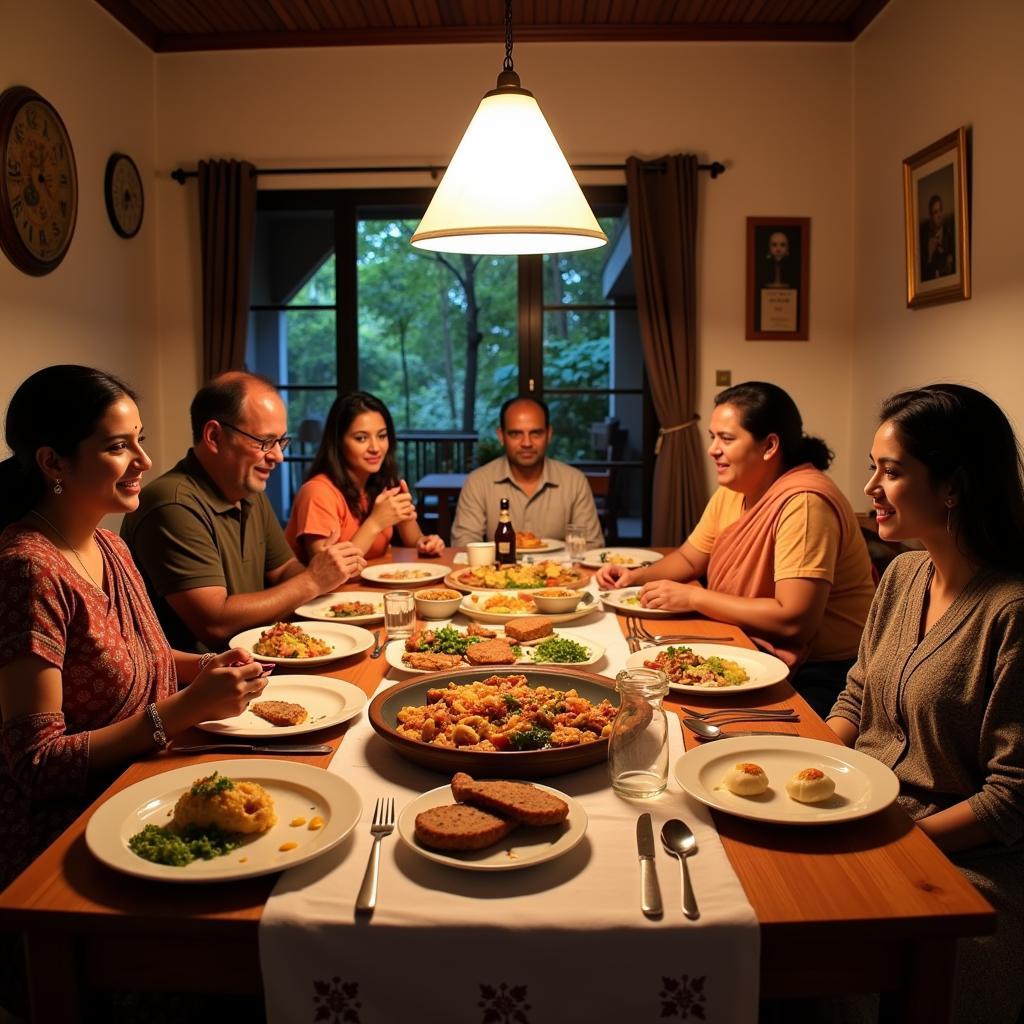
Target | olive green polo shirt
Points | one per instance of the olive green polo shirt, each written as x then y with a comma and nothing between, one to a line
185,534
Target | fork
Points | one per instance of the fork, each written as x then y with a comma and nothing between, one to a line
642,633
766,712
383,825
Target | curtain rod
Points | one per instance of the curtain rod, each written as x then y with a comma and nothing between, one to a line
179,174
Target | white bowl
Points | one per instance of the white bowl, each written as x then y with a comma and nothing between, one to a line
548,604
427,608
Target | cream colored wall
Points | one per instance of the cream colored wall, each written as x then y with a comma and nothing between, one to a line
922,69
778,115
98,307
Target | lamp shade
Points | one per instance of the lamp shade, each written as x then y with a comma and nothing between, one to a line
508,189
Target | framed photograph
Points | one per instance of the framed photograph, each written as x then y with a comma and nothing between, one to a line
778,271
937,228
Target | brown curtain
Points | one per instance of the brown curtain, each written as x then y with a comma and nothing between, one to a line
663,226
227,213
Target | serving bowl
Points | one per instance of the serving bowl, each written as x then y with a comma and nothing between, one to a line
555,601
518,764
430,608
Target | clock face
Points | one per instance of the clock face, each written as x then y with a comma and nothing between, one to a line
123,189
39,191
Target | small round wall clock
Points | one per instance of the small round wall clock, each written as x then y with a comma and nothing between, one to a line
122,187
38,184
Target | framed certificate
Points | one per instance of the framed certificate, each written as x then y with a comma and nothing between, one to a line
778,272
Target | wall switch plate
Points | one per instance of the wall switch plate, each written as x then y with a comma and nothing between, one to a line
723,378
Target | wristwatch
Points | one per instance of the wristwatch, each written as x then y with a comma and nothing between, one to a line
159,736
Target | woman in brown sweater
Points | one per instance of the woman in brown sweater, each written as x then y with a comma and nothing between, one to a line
937,692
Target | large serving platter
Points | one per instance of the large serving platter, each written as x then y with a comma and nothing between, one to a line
345,641
319,609
628,558
384,708
472,607
863,785
763,669
394,653
411,574
298,791
328,701
522,848
574,579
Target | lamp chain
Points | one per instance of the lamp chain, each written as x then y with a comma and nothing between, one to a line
507,66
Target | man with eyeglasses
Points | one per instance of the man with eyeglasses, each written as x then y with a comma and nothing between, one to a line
205,537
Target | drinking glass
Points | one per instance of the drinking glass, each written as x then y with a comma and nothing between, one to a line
399,613
575,541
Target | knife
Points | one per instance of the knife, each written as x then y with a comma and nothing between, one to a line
252,748
650,894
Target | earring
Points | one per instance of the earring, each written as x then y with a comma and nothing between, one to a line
950,505
58,487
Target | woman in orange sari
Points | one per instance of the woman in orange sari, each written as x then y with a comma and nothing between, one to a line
778,544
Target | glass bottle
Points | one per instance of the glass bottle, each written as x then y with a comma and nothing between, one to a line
505,537
638,745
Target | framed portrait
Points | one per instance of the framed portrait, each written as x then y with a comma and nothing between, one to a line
937,226
778,272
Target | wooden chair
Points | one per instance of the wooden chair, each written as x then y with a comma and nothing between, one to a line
602,484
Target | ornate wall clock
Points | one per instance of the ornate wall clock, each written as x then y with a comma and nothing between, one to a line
122,187
39,183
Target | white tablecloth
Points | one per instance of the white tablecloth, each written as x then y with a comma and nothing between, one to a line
558,942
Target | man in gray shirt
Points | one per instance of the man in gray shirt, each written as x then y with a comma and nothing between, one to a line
544,495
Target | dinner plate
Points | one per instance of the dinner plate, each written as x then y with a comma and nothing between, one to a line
630,558
328,701
318,609
472,607
298,791
578,579
863,785
394,652
763,669
550,544
627,602
523,847
346,641
420,573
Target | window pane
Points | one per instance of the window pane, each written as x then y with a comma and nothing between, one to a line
577,349
293,258
293,346
579,278
577,426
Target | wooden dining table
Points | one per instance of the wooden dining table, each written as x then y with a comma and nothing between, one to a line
869,905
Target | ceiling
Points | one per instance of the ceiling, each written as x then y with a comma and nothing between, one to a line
176,25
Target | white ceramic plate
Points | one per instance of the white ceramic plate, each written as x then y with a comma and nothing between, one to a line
763,669
422,573
318,609
630,558
328,701
472,607
863,785
345,641
550,544
627,602
298,790
521,848
393,653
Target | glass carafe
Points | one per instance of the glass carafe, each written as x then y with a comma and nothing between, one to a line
638,745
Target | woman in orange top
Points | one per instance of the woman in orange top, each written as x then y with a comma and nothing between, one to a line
352,491
778,542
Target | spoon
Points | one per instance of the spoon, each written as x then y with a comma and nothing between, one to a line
382,642
709,731
677,838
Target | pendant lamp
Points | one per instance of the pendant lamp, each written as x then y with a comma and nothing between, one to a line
508,189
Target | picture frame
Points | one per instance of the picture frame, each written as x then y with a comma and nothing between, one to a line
778,278
937,222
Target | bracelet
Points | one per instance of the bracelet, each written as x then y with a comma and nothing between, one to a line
159,736
204,660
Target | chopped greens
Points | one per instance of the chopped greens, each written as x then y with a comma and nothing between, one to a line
162,846
530,739
448,640
560,649
212,785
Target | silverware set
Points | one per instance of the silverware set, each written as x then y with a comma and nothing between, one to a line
679,842
638,636
383,825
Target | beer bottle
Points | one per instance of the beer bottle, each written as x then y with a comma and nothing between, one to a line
505,537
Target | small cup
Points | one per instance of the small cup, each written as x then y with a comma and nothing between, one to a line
399,613
575,541
480,552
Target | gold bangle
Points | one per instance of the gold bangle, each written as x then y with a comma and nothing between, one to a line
204,660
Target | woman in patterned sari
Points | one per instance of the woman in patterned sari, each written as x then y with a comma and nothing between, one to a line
87,680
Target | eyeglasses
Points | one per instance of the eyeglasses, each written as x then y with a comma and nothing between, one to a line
265,444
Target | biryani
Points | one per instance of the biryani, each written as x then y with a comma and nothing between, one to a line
286,640
689,669
520,576
438,595
504,713
348,609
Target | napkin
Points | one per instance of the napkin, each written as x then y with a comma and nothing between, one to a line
532,945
